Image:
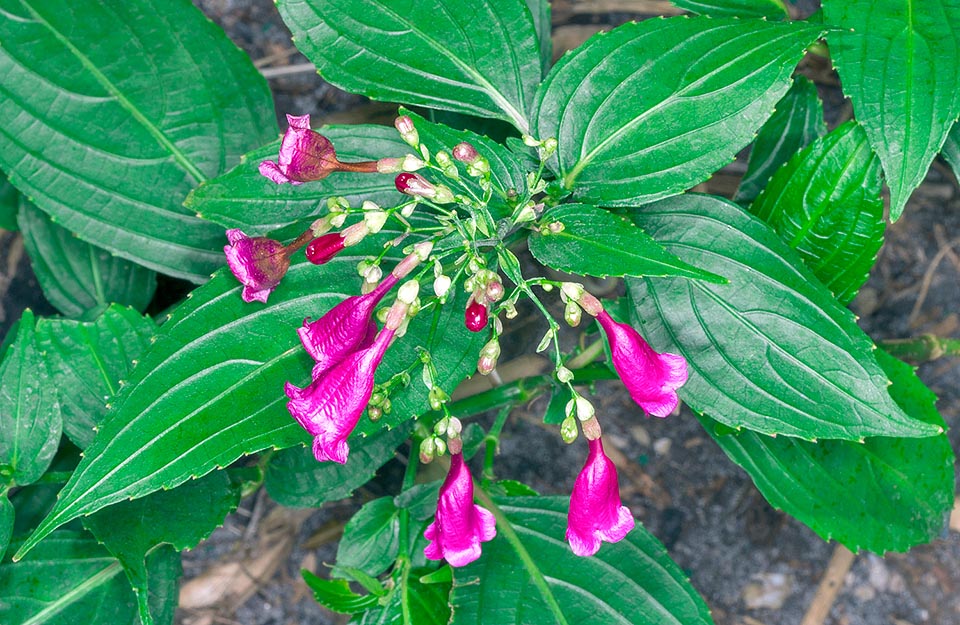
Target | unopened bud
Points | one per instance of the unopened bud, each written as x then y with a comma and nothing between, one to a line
479,167
510,310
488,357
441,446
443,195
428,450
454,427
440,427
530,142
581,407
590,304
549,147
374,413
337,220
415,185
407,130
423,249
373,274
390,165
412,163
437,397
441,285
475,316
571,314
568,430
465,153
408,291
494,290
591,429
564,375
322,249
321,226
572,290
375,220
387,406
355,233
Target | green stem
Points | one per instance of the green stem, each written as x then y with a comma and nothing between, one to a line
922,349
536,576
492,442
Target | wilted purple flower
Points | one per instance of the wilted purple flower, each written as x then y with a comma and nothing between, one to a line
652,378
595,512
330,406
258,263
346,328
460,525
306,155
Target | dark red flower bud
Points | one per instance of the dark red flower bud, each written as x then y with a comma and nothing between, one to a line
414,184
323,249
475,317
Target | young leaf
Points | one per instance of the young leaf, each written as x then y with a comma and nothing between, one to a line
295,479
771,351
180,517
371,539
164,105
769,9
90,359
796,121
481,58
30,421
548,584
335,594
651,109
825,203
885,494
243,198
595,242
899,62
76,277
211,389
72,579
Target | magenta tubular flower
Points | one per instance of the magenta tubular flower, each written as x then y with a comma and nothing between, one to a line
652,378
345,329
324,248
460,525
595,512
258,263
330,406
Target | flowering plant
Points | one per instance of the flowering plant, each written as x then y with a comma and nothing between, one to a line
420,245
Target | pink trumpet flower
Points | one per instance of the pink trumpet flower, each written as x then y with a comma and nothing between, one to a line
258,263
595,512
306,155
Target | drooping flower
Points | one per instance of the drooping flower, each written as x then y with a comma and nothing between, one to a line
652,378
306,155
460,525
595,512
258,263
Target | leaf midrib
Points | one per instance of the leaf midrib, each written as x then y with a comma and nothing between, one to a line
124,102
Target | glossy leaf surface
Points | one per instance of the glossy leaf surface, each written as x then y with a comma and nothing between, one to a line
771,351
825,203
182,105
481,58
555,586
885,494
79,278
899,62
651,109
371,538
770,9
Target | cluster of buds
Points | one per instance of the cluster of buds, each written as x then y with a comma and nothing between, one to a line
485,288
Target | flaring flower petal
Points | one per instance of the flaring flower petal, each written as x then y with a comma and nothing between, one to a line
460,525
595,512
305,155
258,263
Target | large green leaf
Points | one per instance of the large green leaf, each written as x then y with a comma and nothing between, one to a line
882,494
632,581
72,579
772,9
951,149
179,517
30,422
76,277
650,109
7,515
91,359
899,62
211,389
825,203
797,120
9,204
595,242
481,58
243,198
294,478
371,538
166,101
772,351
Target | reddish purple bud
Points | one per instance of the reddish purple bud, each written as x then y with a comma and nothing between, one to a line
595,512
465,153
460,525
494,290
330,406
346,328
322,249
258,263
414,184
475,316
305,155
652,378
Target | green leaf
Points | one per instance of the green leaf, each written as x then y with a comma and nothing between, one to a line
768,9
885,494
30,421
72,579
243,198
632,581
335,594
481,58
899,62
180,517
7,516
371,538
166,102
295,479
825,203
650,109
211,389
76,277
771,351
951,149
427,604
9,204
797,120
595,242
91,359
540,10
